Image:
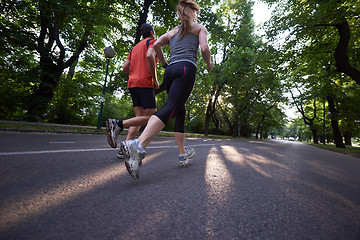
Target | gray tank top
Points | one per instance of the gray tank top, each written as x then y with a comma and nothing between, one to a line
184,49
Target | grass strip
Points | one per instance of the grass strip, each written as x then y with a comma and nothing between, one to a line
348,149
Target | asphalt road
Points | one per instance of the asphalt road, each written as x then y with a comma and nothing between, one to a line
73,187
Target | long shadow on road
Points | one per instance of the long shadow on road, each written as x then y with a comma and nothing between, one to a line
233,189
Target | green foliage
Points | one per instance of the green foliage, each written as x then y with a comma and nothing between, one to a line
244,83
62,34
244,91
19,76
311,68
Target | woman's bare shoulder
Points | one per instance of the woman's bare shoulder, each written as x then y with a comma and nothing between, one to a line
196,28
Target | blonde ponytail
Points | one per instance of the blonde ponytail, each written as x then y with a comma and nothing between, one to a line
186,11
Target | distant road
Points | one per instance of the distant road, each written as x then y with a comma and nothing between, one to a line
68,186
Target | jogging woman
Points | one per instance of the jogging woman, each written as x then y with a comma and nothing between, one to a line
179,79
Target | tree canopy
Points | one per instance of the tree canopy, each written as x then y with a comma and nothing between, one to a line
320,49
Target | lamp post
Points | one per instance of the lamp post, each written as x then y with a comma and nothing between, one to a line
109,53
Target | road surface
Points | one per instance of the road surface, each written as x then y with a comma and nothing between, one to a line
58,186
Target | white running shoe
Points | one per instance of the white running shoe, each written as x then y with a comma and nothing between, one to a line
113,131
185,158
134,156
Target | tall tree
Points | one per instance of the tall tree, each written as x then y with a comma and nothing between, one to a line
304,18
235,34
321,39
308,120
58,32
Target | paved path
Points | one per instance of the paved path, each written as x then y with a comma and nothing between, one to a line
73,187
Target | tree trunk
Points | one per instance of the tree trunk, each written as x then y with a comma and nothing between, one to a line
210,110
308,121
49,78
314,133
263,119
257,131
235,128
51,64
341,57
207,118
347,136
143,17
265,136
232,131
216,123
244,128
334,123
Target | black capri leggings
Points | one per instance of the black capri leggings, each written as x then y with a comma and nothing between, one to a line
179,80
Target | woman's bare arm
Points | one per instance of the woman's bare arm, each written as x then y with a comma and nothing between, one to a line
204,46
162,41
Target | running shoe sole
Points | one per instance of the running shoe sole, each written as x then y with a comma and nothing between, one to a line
183,163
133,173
109,135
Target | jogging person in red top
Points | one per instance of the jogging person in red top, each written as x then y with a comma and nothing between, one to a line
179,79
141,67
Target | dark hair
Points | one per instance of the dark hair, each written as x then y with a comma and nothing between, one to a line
145,30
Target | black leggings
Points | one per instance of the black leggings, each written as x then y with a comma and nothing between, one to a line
179,80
